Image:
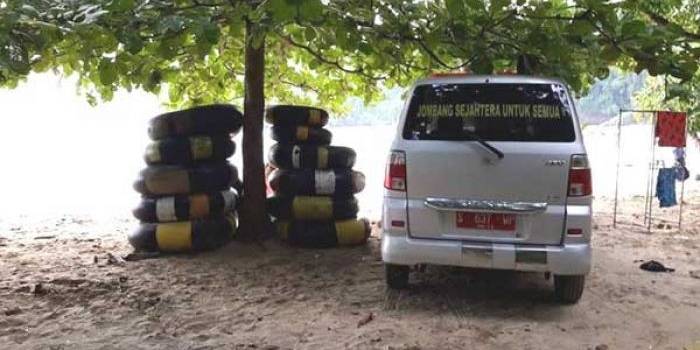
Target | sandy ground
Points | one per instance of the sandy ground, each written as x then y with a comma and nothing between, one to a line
63,285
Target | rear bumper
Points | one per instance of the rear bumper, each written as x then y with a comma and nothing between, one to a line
567,259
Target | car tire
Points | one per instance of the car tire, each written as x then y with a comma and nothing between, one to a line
396,276
568,289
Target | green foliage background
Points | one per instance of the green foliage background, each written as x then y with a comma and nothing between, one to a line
322,52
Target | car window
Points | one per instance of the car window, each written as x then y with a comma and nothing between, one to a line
491,112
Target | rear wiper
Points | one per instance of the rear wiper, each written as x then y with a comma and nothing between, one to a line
488,146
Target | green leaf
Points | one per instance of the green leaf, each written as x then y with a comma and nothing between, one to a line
132,42
610,53
311,10
341,38
475,4
680,91
108,72
124,64
211,32
365,48
454,6
121,5
207,33
602,73
30,10
633,28
154,80
482,65
499,4
280,10
167,49
16,57
309,33
172,24
581,28
690,68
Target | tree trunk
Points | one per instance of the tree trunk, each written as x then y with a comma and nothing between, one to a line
254,222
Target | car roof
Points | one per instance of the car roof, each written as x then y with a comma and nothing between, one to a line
480,79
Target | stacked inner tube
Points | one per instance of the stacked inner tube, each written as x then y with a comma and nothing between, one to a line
187,202
313,183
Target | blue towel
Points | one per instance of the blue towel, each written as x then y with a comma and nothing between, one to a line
666,187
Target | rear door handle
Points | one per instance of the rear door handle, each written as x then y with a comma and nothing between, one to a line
447,204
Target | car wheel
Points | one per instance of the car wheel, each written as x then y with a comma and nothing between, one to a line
396,276
568,289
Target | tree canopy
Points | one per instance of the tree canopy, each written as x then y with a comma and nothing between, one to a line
324,51
680,92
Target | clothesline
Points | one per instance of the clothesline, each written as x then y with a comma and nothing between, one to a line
668,130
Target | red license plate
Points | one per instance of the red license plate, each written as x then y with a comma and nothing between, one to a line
486,221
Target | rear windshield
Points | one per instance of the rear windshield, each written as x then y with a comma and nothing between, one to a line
491,112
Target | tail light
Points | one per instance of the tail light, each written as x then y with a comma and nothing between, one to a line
580,177
395,176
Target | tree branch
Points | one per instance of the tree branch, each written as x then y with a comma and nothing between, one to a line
581,16
303,86
659,19
318,56
424,47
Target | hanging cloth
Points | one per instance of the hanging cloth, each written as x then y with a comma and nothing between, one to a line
666,187
670,129
682,172
679,154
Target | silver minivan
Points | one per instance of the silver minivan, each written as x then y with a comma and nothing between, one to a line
489,172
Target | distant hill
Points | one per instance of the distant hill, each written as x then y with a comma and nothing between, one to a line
384,112
607,96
